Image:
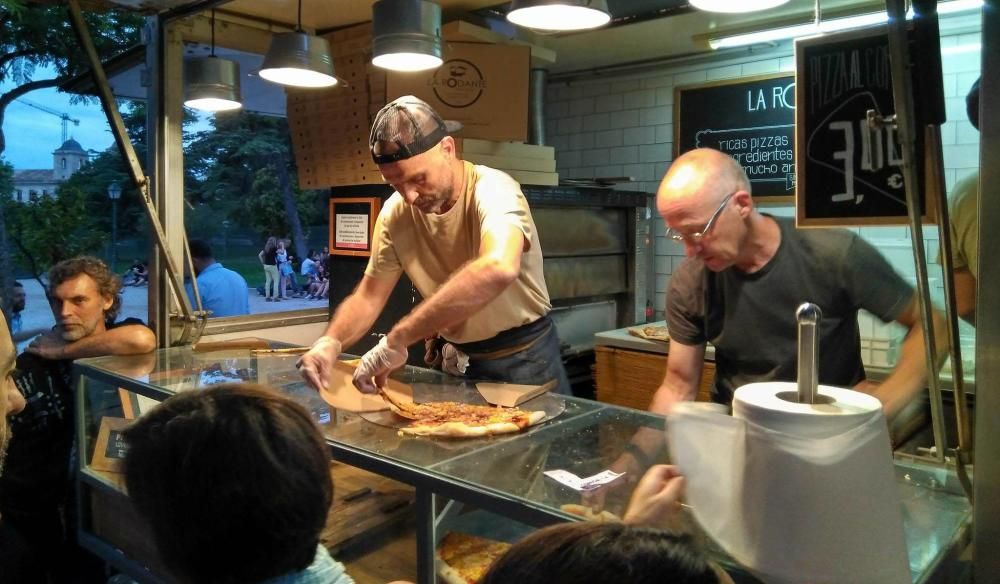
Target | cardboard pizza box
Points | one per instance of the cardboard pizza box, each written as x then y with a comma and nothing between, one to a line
510,395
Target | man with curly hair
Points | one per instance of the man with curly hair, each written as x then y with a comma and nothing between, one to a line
36,487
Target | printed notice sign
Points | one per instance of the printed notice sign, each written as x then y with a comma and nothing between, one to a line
352,222
351,232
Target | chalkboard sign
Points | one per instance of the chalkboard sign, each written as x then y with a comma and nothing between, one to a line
752,119
849,173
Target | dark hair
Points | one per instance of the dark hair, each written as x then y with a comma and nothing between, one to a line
599,553
271,244
972,104
200,249
108,283
234,482
18,284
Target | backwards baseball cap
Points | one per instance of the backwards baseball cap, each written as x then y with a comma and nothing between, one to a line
406,127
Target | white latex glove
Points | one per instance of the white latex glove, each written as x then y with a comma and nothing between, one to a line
657,498
453,361
316,364
378,363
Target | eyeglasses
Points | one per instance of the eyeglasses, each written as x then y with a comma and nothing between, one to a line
697,237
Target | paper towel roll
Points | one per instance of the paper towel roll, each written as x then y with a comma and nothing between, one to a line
797,493
772,406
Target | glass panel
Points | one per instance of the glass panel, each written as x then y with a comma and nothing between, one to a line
241,185
584,439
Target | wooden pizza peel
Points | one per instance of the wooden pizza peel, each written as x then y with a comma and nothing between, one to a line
344,396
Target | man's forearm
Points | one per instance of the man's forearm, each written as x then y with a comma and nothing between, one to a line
466,293
123,340
352,319
910,374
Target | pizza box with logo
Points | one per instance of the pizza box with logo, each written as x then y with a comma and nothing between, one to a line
483,86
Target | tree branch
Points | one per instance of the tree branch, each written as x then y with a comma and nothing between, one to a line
5,59
20,90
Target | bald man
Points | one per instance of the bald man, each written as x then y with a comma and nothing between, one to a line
745,275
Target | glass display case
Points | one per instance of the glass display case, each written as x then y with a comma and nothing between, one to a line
500,474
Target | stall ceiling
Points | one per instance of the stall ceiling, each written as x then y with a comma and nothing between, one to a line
641,30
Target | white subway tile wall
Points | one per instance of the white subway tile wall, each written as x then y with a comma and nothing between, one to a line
624,127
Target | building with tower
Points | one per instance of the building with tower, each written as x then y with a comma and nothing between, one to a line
67,159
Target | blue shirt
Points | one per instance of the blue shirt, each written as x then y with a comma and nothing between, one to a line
222,290
323,570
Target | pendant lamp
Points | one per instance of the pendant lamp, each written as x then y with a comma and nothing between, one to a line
298,59
559,15
735,6
406,35
213,84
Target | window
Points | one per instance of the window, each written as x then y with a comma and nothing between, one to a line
63,163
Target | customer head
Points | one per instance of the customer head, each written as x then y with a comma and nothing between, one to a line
972,104
410,144
598,553
11,400
201,255
84,295
234,482
18,297
271,244
704,200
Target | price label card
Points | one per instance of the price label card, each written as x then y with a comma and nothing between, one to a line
583,484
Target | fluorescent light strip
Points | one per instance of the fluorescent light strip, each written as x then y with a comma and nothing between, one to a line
833,25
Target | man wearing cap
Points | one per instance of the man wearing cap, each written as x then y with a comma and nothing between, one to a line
465,237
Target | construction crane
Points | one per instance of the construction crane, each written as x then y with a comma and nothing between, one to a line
61,115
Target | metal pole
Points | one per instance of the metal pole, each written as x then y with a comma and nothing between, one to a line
986,510
902,89
114,235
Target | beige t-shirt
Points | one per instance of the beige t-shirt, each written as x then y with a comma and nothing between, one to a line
965,223
431,248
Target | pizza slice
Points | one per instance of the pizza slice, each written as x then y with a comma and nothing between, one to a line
460,420
465,559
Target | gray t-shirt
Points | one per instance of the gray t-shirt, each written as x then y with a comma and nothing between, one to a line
750,318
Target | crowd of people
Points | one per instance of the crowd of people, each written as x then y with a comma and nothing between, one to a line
280,282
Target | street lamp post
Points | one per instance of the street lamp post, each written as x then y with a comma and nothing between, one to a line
114,193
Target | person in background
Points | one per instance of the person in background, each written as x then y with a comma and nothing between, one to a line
644,549
249,508
464,235
744,277
964,219
18,302
222,290
269,259
16,564
281,257
36,489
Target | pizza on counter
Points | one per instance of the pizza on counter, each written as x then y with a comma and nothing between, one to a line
459,420
465,559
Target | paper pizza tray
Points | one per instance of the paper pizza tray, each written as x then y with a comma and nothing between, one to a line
552,405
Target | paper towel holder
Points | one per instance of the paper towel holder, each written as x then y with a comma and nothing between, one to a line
808,317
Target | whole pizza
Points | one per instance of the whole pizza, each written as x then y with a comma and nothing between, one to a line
460,420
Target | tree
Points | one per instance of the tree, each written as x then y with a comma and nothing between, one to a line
47,230
6,267
35,39
250,154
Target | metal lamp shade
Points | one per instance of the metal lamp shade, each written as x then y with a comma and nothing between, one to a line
559,15
213,84
406,35
734,6
299,60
